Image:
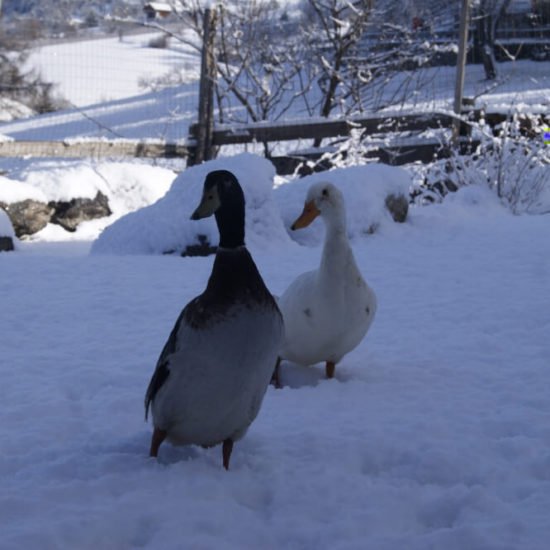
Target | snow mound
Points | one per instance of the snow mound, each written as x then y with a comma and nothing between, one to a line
166,226
14,191
365,189
473,199
127,185
458,210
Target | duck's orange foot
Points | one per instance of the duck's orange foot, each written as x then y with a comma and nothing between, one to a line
158,437
276,376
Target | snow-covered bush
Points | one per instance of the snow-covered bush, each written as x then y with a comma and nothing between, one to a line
159,42
432,182
516,163
352,151
512,160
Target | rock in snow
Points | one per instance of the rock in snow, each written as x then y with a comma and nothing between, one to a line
29,216
39,197
398,207
69,214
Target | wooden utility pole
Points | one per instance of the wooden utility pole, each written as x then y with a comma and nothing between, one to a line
205,125
461,67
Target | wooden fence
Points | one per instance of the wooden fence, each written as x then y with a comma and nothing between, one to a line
395,146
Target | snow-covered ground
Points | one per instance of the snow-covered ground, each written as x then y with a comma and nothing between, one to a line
434,434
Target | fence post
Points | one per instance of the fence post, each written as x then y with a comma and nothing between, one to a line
205,123
461,67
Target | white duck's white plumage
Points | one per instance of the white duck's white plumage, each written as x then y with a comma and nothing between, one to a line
328,311
213,372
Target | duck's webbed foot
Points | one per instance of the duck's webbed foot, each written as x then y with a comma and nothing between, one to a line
276,376
158,437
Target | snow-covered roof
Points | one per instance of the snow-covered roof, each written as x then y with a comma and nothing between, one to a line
159,6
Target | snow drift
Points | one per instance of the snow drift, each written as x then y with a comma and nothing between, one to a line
165,226
365,189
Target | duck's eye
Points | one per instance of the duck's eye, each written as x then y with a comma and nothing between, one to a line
210,197
325,193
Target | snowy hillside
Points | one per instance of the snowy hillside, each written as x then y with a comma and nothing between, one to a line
103,78
102,70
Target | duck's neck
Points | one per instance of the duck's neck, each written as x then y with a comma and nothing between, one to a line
235,278
230,223
337,253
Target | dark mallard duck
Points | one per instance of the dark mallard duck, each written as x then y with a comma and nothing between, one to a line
213,372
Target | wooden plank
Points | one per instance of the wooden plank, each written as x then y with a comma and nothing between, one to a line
326,128
247,133
321,128
397,154
82,149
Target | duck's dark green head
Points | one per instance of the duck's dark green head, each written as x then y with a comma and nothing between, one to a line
223,196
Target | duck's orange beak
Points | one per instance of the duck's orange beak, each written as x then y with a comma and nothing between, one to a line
309,213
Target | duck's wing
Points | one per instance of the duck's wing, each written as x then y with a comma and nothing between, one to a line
161,370
299,293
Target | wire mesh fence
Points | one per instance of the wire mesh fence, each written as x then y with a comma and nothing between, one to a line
142,83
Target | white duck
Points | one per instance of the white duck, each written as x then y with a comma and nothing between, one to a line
213,372
326,312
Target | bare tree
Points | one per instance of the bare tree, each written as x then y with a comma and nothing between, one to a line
488,14
342,25
260,61
255,66
328,57
367,57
